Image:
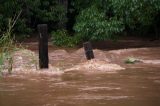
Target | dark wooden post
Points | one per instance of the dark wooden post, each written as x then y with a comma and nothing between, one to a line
43,46
88,50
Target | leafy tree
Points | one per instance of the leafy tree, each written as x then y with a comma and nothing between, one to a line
94,19
135,12
93,25
33,13
125,14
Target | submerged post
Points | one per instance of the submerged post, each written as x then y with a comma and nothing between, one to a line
43,46
88,50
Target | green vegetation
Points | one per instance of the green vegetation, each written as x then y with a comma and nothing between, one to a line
7,46
33,13
131,60
106,19
93,25
137,15
6,51
84,20
62,38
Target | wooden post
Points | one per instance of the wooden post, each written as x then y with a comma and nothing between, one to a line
43,46
88,50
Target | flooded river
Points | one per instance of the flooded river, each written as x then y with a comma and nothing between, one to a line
137,85
130,87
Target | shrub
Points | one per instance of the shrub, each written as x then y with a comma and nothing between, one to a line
93,25
62,38
6,51
7,47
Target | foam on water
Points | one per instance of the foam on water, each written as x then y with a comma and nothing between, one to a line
96,65
26,62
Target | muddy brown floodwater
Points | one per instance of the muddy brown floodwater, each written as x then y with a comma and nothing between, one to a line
130,87
137,85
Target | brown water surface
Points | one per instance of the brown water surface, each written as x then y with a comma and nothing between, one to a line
138,85
130,87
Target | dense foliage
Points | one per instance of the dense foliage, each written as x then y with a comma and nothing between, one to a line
62,38
93,25
33,13
128,14
89,19
136,13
